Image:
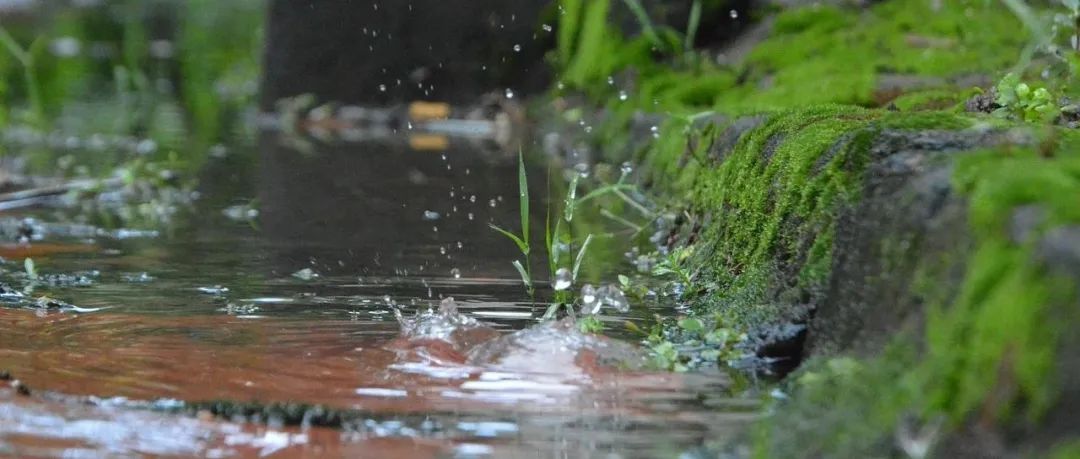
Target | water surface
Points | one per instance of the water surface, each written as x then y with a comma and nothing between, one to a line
209,309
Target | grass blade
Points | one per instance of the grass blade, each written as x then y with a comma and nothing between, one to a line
20,54
524,274
646,23
552,309
605,190
571,195
692,24
581,256
523,192
522,245
617,219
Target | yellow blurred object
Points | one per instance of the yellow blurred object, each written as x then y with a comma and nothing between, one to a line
428,142
423,111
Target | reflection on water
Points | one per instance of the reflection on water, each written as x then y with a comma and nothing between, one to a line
211,311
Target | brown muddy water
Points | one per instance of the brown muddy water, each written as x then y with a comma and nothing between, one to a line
209,309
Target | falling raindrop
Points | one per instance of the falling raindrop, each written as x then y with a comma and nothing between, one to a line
472,198
492,203
431,215
734,14
470,215
655,132
509,93
517,48
623,95
546,28
456,273
563,279
382,88
442,250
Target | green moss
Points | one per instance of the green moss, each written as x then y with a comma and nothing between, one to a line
1070,450
814,55
932,99
1003,331
989,350
826,54
842,407
773,197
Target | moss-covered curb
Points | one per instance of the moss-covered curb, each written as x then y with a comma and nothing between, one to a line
931,254
928,235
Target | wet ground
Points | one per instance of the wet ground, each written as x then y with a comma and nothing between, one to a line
295,302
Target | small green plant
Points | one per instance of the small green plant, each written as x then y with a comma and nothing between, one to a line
25,58
590,324
522,241
674,266
689,342
1019,101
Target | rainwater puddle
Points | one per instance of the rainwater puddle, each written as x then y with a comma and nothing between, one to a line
295,305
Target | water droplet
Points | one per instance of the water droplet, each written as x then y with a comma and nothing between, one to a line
442,250
431,215
560,85
456,273
582,169
611,80
460,245
623,95
388,300
382,88
517,48
509,93
734,14
655,132
626,168
612,296
546,28
470,216
472,198
491,203
563,279
589,303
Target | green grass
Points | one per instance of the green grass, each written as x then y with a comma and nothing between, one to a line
25,58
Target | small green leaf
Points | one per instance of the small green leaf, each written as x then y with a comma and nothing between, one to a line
590,324
691,325
624,281
522,245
